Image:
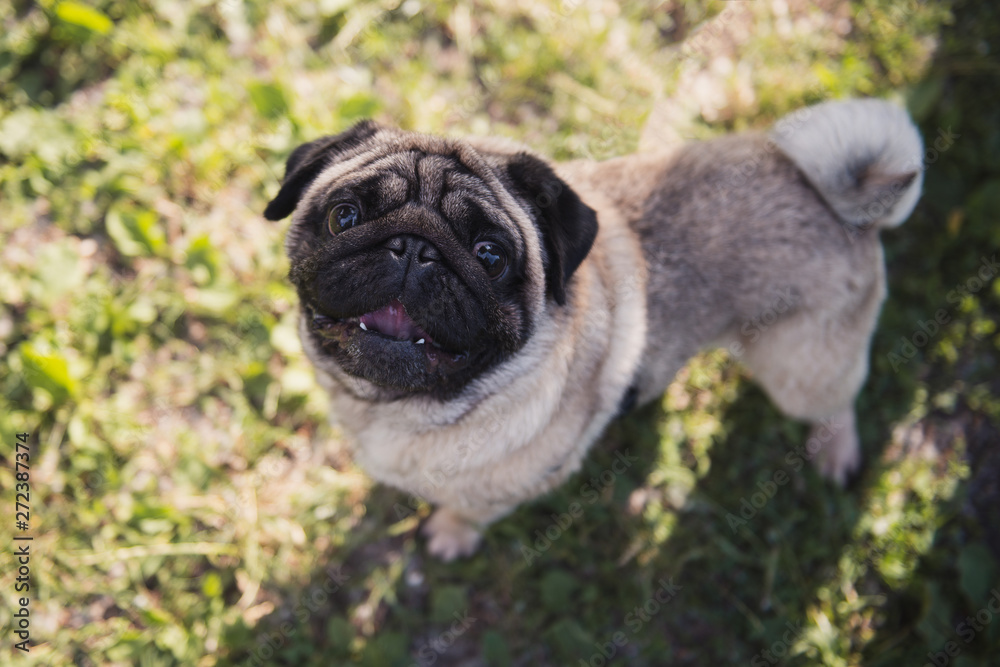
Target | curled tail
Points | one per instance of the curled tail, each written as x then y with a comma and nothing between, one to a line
864,157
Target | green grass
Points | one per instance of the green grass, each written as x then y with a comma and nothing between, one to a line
190,503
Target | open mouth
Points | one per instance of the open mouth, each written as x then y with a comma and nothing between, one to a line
392,325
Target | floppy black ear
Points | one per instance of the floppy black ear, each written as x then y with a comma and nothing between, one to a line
568,226
307,161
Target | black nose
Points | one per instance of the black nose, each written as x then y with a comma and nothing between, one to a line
413,248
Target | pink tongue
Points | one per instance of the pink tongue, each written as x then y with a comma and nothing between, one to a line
392,320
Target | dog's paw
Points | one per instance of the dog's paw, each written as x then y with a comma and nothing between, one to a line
839,458
449,536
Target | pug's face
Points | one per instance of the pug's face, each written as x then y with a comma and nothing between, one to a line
422,263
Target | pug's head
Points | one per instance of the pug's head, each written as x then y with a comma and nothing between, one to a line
421,262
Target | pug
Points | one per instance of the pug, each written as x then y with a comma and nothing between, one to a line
479,314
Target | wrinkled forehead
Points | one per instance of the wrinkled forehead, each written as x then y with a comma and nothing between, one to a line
448,178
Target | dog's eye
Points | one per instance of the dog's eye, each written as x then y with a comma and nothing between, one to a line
492,257
343,216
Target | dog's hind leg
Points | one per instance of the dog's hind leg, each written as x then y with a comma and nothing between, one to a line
812,365
813,372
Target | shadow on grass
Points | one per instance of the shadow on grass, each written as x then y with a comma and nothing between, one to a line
658,586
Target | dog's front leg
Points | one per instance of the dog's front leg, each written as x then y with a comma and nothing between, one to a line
454,533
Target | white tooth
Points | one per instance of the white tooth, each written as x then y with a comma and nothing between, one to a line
420,342
363,327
